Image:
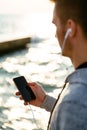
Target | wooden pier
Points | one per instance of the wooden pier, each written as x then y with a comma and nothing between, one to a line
13,44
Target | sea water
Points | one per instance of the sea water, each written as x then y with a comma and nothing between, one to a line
40,62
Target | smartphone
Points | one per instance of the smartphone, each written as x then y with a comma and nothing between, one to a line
24,88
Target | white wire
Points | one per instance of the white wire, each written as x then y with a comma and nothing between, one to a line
65,38
34,120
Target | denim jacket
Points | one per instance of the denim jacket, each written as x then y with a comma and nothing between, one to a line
70,111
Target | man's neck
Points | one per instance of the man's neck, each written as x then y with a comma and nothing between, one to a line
83,65
79,58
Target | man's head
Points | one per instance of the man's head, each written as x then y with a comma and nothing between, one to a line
72,9
70,14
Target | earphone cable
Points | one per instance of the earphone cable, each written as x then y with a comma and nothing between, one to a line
34,120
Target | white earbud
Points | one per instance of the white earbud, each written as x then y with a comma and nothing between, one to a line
65,37
67,33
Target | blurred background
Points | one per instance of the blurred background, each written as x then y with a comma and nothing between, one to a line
40,61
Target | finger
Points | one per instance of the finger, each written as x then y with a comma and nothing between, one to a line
26,103
18,93
32,84
21,98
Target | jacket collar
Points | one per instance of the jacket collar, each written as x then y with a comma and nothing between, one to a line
79,75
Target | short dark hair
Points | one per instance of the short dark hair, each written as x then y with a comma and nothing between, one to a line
72,9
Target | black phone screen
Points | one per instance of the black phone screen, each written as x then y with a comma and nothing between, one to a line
24,89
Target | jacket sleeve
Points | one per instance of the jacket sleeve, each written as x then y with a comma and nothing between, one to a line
48,103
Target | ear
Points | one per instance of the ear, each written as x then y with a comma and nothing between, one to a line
71,24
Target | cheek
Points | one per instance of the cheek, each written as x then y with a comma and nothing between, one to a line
57,33
60,36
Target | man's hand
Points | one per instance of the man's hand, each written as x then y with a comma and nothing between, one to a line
39,93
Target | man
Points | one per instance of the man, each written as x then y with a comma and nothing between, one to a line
69,111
